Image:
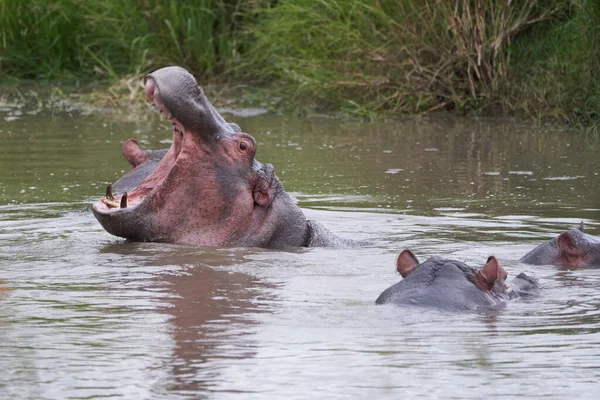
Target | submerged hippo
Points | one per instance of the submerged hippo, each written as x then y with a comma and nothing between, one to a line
572,248
453,285
207,189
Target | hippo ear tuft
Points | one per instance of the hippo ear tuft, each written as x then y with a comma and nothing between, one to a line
406,263
492,271
235,127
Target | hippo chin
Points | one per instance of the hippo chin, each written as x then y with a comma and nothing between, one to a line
572,248
454,286
207,189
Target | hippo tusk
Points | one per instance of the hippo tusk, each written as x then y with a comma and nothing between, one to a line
124,200
109,199
109,194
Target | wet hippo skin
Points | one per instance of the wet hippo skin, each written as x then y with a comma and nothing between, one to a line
572,248
207,189
452,285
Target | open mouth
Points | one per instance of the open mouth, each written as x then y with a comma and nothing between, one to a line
111,203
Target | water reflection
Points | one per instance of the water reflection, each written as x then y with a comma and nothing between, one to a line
208,306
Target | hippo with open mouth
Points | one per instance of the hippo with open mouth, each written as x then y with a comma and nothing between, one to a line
207,189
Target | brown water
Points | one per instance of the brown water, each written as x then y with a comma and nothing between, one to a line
85,315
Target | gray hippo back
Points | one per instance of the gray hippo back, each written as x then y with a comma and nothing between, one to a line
452,285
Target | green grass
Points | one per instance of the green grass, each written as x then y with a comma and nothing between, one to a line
537,59
56,39
413,56
554,68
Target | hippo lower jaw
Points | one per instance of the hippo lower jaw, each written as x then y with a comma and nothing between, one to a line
119,222
119,215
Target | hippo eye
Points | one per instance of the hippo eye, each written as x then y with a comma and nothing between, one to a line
243,146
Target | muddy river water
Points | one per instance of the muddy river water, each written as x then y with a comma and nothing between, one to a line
84,314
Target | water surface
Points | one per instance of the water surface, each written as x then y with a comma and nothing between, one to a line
86,315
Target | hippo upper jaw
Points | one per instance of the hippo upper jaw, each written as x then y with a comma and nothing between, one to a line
176,94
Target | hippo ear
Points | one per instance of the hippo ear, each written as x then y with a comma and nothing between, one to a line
492,271
567,245
134,153
406,263
236,128
581,226
264,184
262,192
262,197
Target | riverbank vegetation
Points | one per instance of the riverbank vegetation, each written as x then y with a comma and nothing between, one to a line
536,59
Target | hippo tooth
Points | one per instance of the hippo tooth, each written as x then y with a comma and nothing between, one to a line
109,203
124,200
109,194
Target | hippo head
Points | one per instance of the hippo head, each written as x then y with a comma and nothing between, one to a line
208,189
572,248
577,249
447,284
490,279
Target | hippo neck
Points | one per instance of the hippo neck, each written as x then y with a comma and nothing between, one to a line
286,226
319,236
